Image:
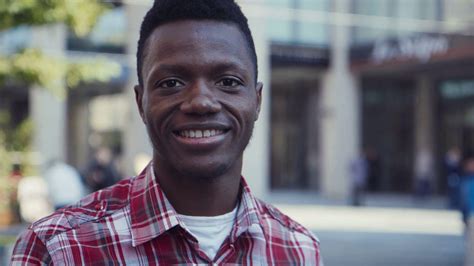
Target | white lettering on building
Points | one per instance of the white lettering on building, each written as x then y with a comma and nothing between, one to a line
421,48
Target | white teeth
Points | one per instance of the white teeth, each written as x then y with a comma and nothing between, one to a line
200,133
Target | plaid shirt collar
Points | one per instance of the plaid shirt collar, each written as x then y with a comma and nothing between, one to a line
152,214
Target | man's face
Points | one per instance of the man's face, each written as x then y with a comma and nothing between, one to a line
199,99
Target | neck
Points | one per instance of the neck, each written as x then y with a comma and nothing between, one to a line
200,196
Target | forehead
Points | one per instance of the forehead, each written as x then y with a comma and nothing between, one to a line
188,39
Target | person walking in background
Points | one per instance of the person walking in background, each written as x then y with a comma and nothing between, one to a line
452,166
467,205
467,188
373,169
423,174
64,183
15,177
101,171
358,174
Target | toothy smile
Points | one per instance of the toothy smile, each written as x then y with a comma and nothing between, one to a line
197,133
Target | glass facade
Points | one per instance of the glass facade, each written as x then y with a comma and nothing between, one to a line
459,11
295,29
387,127
456,123
14,39
297,40
430,10
108,35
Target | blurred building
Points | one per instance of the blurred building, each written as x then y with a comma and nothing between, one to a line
393,78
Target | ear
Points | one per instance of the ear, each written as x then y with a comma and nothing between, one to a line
139,100
258,89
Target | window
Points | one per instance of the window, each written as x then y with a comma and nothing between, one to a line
108,35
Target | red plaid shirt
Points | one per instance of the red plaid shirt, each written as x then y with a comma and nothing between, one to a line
133,223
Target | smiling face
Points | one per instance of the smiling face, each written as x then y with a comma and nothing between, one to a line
199,99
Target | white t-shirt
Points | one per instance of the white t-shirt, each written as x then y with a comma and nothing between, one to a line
210,231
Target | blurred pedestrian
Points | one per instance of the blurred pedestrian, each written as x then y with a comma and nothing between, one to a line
33,197
358,175
467,188
452,166
373,171
101,171
423,174
15,177
467,205
64,183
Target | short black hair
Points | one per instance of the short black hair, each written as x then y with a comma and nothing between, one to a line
166,11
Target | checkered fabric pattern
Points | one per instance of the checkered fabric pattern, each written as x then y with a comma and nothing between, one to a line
133,223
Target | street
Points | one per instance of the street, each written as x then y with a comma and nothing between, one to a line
390,249
389,236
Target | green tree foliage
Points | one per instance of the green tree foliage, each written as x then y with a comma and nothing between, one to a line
15,144
79,15
30,66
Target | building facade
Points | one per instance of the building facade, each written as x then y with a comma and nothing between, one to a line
390,79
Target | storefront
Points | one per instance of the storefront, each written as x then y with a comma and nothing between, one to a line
417,102
295,87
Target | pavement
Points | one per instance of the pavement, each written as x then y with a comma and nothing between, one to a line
7,238
388,230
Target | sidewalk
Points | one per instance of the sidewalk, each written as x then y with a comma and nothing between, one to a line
8,236
370,200
388,230
380,213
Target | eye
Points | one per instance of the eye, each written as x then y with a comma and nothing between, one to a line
229,82
170,83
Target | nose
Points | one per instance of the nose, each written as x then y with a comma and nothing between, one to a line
200,99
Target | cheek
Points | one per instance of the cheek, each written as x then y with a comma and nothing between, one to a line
250,109
244,109
158,113
248,116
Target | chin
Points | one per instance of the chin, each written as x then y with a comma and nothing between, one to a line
207,173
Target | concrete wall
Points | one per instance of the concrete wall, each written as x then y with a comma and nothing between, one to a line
256,166
340,114
48,111
135,140
424,130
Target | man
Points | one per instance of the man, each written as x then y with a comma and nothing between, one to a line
199,97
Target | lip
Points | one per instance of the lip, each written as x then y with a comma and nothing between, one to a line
203,142
201,126
207,141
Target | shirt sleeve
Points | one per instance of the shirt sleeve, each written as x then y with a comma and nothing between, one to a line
30,250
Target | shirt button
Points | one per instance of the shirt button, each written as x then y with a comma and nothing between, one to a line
100,206
232,246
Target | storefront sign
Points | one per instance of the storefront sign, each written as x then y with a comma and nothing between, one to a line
418,47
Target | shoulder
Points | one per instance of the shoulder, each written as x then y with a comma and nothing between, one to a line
284,224
29,250
93,207
288,240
